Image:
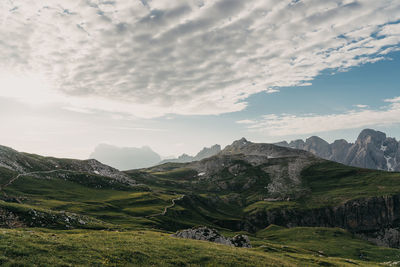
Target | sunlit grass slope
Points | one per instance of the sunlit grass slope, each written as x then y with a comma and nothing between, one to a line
39,247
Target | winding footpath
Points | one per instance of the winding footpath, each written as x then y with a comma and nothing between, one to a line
12,180
167,207
24,174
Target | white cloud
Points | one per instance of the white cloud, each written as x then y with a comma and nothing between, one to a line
361,106
393,100
246,121
150,58
271,90
287,124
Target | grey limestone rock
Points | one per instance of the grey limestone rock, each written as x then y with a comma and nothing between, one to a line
212,235
372,150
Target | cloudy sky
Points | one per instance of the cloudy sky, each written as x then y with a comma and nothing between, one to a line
179,75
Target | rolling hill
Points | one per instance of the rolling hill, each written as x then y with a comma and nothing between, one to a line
297,209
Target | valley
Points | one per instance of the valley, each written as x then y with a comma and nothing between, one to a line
288,201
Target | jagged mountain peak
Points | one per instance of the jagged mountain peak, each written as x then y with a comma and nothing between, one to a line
372,149
240,143
298,144
208,152
371,136
341,142
315,138
204,153
243,146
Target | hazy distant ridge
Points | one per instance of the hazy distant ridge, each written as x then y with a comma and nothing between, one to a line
125,158
204,153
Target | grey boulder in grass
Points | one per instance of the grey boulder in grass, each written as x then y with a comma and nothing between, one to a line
212,235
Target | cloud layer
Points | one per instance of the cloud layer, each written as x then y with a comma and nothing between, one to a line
150,58
287,124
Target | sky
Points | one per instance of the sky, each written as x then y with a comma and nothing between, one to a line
180,75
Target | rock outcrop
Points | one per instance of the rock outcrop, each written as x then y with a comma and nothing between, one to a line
372,150
212,235
11,217
279,167
376,218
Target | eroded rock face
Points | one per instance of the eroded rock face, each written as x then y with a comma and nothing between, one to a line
389,237
372,150
212,235
318,147
375,218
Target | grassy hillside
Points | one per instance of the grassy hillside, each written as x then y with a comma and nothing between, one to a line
328,184
6,175
172,197
40,247
333,183
122,206
326,242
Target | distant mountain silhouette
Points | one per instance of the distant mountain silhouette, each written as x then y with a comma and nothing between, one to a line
204,153
125,158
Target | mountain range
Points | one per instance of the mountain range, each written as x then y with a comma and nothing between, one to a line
204,153
126,158
294,207
372,150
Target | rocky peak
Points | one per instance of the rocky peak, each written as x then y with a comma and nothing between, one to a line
369,136
316,141
340,143
339,150
241,142
372,150
318,146
283,143
208,152
298,144
204,153
281,165
184,156
262,150
390,146
237,147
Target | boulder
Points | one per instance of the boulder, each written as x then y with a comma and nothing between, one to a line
212,235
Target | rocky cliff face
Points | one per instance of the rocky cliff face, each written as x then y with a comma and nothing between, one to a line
372,150
375,218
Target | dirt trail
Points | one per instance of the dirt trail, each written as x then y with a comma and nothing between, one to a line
2,187
24,174
167,207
